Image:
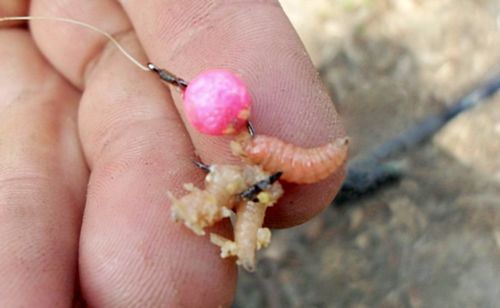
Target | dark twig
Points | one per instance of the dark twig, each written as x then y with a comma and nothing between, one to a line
369,172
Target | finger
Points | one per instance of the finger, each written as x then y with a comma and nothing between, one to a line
82,47
255,40
131,253
42,179
138,150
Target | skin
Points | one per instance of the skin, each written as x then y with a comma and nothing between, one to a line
89,145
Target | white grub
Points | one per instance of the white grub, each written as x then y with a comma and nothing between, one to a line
203,208
249,236
223,184
249,220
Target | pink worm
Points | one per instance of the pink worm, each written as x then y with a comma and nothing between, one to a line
299,165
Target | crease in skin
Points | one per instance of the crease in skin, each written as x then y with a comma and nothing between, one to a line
101,50
42,178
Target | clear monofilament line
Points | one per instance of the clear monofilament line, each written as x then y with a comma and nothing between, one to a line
85,25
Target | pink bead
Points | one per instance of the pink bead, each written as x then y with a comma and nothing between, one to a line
216,102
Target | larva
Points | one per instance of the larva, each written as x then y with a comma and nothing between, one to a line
202,208
249,236
248,223
299,165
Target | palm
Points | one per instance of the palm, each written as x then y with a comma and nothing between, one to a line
89,135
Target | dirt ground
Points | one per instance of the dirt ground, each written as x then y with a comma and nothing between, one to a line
433,239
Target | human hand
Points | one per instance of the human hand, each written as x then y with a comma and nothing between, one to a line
89,145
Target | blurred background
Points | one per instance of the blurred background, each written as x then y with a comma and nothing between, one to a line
433,238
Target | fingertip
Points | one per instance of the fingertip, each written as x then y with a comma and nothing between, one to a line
255,40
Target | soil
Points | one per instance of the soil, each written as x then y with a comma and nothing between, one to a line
433,239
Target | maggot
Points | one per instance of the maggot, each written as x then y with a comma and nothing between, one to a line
299,165
249,235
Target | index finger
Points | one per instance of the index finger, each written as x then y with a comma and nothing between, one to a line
255,40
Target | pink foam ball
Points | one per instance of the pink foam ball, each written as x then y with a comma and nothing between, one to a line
216,102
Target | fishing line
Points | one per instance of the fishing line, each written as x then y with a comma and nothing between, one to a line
85,25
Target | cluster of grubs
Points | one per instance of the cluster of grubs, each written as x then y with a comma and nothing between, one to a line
247,191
